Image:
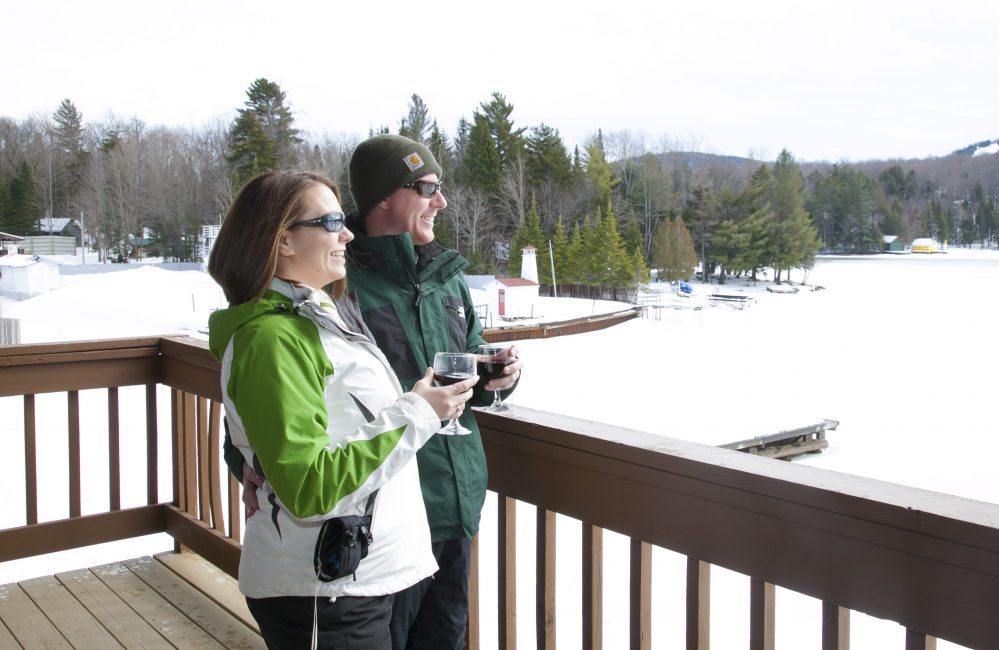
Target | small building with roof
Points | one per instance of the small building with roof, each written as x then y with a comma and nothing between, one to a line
24,276
925,245
892,244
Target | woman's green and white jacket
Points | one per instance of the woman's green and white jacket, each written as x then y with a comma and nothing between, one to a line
316,409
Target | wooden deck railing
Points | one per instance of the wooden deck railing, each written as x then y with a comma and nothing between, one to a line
926,560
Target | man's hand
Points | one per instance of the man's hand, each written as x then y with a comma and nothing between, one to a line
511,372
250,484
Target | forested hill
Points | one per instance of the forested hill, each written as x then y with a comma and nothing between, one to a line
507,184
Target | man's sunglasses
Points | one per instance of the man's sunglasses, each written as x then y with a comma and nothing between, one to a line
332,222
426,189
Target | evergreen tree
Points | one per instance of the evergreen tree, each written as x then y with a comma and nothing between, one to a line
673,251
481,163
441,148
528,233
704,212
617,270
263,135
639,270
631,237
23,211
599,171
729,244
416,124
547,160
559,254
793,238
250,150
508,140
576,260
69,159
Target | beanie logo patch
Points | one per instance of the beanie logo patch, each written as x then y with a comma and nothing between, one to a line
413,161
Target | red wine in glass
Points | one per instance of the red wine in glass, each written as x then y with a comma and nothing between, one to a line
449,369
493,359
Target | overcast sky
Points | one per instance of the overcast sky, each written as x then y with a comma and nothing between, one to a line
829,80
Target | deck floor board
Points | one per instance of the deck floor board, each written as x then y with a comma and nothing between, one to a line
139,603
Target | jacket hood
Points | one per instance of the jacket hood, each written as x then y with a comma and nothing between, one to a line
223,323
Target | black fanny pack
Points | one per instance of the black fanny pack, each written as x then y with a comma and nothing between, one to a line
343,542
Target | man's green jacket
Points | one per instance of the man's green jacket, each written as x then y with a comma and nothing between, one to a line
414,314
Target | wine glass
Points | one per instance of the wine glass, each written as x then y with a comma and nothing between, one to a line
492,359
450,368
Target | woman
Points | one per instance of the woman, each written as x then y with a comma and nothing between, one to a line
316,410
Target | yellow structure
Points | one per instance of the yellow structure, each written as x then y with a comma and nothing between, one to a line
925,245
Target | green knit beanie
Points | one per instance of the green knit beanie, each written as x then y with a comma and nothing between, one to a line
382,164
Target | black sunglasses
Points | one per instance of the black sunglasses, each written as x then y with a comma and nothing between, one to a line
332,222
426,189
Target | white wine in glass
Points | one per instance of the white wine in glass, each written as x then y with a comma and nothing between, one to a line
449,369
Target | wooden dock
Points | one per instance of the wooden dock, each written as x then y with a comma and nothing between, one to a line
172,600
784,444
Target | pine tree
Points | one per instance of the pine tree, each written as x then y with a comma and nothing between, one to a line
508,140
69,159
528,233
547,160
560,255
416,124
631,237
577,257
263,135
673,251
796,237
728,245
598,170
481,163
23,212
639,269
250,150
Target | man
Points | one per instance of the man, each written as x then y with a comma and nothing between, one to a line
413,297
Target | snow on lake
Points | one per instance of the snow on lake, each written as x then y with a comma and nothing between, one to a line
898,349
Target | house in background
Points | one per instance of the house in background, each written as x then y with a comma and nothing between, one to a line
24,276
9,243
892,244
509,298
925,245
61,227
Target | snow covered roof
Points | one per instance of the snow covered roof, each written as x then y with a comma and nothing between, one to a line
516,282
18,261
9,237
58,224
889,238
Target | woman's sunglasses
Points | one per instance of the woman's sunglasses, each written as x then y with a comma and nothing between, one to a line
426,189
332,222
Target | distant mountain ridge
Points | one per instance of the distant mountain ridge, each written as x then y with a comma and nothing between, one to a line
979,148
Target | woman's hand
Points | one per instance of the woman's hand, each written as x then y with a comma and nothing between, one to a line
251,481
447,401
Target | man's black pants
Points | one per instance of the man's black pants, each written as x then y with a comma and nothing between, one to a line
433,613
347,623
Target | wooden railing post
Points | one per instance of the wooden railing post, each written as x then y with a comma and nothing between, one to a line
114,455
73,403
641,595
152,450
30,463
545,606
919,641
507,572
593,587
698,604
835,627
761,615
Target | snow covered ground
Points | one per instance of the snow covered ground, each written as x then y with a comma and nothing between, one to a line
898,349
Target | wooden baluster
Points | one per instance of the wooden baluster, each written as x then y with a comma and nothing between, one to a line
761,615
507,571
75,509
472,631
919,641
30,463
698,604
114,450
593,587
201,442
641,595
215,465
190,453
835,627
152,447
545,606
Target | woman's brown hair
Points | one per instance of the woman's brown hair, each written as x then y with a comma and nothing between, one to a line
244,257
